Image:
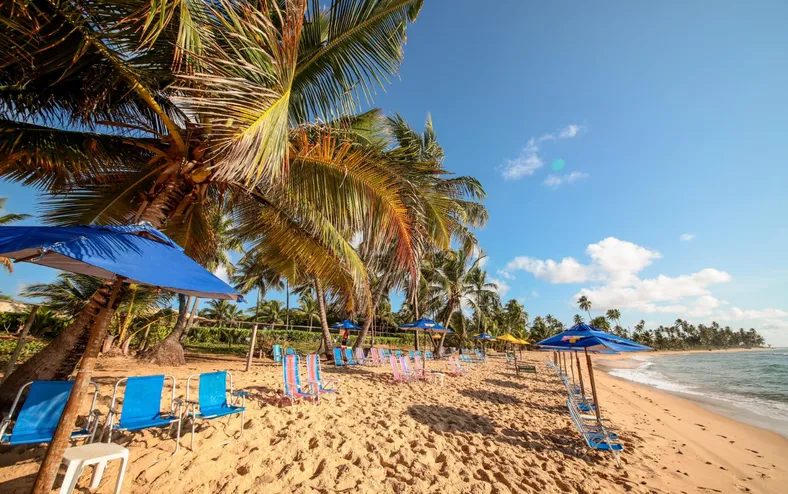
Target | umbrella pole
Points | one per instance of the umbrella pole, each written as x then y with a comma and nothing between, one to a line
593,387
54,456
580,377
572,369
251,348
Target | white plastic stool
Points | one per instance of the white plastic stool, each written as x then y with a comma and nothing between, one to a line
78,457
438,376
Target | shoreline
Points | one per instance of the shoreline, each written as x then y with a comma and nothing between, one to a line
719,407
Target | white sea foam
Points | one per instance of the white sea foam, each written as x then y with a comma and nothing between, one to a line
644,375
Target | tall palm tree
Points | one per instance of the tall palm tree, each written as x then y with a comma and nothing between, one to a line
220,311
174,109
578,319
585,305
614,315
271,312
455,283
6,219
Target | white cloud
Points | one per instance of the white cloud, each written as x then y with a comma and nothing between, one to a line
736,313
555,181
505,274
529,159
221,273
503,286
568,270
687,237
524,165
483,261
534,294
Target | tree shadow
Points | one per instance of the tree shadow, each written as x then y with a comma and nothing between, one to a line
505,384
21,484
450,419
491,396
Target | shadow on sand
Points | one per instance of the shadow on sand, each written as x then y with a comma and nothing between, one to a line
450,419
491,396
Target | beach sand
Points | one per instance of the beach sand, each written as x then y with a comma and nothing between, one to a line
486,432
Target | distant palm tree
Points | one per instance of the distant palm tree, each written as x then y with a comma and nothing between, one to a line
578,319
219,310
585,305
271,312
614,315
308,308
6,219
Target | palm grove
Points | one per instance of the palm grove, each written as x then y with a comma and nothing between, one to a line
236,126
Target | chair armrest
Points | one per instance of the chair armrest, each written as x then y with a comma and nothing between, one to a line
241,393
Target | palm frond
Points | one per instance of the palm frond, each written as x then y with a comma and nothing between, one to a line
350,50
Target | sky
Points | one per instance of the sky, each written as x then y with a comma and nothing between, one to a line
632,152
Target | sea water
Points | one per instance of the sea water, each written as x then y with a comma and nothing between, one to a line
751,387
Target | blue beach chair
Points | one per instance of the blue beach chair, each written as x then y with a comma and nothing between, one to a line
412,354
290,351
141,408
277,353
212,399
349,356
397,353
40,414
338,357
428,354
596,436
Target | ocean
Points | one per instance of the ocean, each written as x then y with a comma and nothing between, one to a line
750,387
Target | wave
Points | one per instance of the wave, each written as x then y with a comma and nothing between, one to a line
645,375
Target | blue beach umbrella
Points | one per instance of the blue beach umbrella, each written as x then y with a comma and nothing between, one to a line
344,325
137,254
590,339
427,325
484,336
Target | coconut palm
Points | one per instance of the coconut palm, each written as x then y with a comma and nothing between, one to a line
585,305
307,307
271,312
176,108
456,282
578,319
614,315
6,219
220,311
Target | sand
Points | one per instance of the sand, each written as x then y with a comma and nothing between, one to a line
486,432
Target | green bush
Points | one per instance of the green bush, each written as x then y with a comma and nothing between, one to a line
7,346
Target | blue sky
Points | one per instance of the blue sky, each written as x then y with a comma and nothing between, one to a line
670,120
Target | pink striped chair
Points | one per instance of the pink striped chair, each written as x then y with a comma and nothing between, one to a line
292,382
315,380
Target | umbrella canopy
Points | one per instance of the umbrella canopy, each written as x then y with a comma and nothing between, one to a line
426,324
521,341
509,338
344,325
585,337
138,253
484,336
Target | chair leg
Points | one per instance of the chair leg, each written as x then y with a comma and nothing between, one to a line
192,446
178,437
72,475
124,462
98,472
243,413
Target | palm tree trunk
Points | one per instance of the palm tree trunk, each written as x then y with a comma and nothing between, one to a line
170,351
445,325
287,305
190,323
321,307
57,361
375,302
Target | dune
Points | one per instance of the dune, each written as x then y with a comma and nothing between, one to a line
488,432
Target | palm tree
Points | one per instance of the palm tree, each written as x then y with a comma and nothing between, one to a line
251,274
6,219
201,104
220,311
308,308
585,305
578,319
614,315
271,312
515,317
456,282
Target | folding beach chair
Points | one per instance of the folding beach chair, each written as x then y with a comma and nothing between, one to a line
277,353
596,436
412,354
396,369
141,408
290,351
40,412
338,357
349,356
293,389
428,355
455,367
316,383
397,353
360,358
212,399
373,357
